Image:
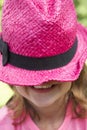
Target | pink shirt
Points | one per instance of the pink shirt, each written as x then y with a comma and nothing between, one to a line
68,124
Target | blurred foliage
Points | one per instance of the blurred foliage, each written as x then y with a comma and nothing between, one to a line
81,8
1,3
5,93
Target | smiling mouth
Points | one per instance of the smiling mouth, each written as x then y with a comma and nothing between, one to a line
44,87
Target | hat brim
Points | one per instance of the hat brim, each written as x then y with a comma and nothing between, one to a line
70,72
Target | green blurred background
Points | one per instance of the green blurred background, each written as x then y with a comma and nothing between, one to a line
81,8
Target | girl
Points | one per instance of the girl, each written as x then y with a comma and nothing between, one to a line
43,51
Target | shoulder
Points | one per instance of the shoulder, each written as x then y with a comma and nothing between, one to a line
73,121
79,123
5,120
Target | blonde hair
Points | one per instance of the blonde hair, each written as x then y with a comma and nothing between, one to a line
77,93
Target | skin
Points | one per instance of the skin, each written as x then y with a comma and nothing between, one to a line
50,105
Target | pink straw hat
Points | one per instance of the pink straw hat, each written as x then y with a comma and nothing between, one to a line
41,41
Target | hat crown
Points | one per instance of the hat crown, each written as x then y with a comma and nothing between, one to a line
39,28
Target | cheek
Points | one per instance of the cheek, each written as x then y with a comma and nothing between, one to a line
21,91
66,87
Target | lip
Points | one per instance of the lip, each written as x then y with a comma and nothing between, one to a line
45,90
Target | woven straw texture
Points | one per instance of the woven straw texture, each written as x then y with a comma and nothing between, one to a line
42,28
